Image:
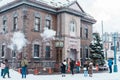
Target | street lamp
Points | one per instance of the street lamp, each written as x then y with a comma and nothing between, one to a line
115,64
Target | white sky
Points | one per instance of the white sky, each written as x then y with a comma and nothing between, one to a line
107,11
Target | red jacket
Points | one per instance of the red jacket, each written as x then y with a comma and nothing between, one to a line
78,63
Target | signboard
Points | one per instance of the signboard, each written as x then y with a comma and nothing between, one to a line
110,54
59,44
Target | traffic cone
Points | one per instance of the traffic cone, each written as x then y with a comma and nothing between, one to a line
68,70
36,71
97,68
19,70
49,70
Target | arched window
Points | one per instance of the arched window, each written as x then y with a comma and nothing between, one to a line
37,22
15,21
4,23
36,49
72,28
48,21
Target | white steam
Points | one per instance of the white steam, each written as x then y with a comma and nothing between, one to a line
18,41
48,34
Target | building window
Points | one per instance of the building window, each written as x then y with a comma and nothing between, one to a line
3,51
86,33
36,50
37,24
86,52
81,53
81,32
48,23
47,52
13,54
15,23
72,28
4,26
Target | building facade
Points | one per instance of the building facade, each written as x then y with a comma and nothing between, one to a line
72,25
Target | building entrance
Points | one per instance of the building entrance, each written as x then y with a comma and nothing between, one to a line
59,55
73,54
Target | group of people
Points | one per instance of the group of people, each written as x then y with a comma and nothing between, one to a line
5,66
69,65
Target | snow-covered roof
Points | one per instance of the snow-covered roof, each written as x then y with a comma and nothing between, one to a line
4,2
57,3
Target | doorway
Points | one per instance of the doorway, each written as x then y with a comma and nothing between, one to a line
59,55
73,54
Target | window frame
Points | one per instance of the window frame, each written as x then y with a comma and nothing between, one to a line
48,23
73,28
37,24
4,26
38,51
86,33
3,51
47,53
15,23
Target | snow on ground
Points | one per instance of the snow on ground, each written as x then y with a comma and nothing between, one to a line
96,76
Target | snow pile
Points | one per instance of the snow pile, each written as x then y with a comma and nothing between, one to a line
18,41
48,34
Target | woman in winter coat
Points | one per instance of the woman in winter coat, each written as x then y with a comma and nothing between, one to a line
2,68
6,70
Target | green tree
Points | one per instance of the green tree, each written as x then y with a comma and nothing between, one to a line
96,50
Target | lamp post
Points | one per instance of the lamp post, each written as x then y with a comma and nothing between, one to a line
115,64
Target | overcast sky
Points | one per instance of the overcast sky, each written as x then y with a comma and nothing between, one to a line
107,11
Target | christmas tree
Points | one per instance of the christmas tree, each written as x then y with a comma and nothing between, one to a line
96,50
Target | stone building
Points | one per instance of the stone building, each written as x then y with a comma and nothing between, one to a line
72,25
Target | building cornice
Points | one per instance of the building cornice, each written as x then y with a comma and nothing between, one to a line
47,8
25,2
83,16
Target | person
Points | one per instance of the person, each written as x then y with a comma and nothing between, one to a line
77,66
72,66
68,65
110,63
24,64
6,69
86,68
63,68
90,69
2,67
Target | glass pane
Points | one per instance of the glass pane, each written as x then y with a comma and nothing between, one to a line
36,50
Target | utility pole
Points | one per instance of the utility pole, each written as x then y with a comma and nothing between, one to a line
102,39
115,62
